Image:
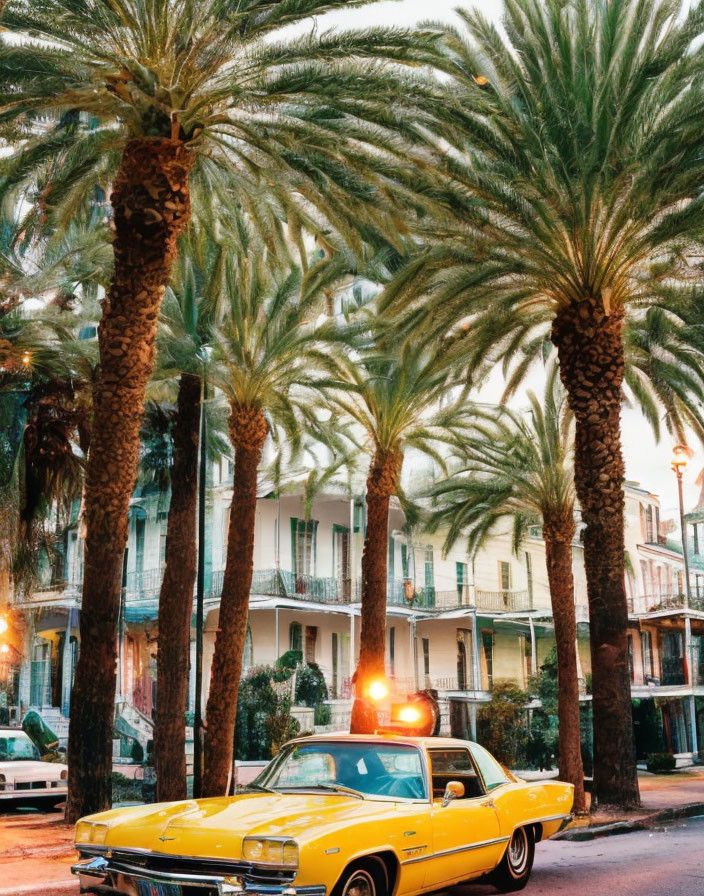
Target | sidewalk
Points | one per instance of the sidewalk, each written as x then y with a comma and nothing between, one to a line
663,798
35,854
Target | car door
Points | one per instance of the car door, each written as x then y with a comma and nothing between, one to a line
466,834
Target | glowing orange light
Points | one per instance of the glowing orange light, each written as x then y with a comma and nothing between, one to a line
27,359
480,80
3,625
4,648
410,715
378,690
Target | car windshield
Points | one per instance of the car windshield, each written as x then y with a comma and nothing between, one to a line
365,769
16,746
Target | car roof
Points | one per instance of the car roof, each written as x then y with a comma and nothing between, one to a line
384,738
11,729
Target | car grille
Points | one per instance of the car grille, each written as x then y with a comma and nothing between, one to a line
30,785
255,877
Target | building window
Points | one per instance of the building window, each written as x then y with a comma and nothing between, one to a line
404,560
392,551
696,538
163,517
504,575
630,657
295,637
303,546
646,644
341,560
649,533
311,641
426,656
392,651
429,571
462,582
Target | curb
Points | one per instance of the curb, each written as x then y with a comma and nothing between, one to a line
626,826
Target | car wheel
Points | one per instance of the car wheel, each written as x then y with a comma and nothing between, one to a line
514,869
362,879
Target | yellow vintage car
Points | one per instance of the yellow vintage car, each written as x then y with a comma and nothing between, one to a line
333,815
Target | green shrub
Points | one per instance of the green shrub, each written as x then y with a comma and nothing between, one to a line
125,790
661,763
322,714
501,724
263,720
288,661
311,689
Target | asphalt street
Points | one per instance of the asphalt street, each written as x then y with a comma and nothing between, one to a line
668,861
665,862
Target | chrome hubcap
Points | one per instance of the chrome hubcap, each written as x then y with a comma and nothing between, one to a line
360,884
518,852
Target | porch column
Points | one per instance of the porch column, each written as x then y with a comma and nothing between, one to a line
691,711
473,720
276,634
413,653
533,648
688,650
351,659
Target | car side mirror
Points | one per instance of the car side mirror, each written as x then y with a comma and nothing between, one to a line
453,791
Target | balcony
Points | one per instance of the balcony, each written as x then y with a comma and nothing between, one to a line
652,603
504,601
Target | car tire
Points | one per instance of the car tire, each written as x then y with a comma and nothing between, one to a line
513,871
362,878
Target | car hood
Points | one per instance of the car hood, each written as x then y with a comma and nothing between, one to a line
31,770
216,827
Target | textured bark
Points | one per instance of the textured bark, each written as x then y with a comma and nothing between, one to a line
382,482
248,430
151,208
176,598
558,532
590,349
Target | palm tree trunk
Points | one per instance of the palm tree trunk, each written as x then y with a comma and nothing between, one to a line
590,349
382,482
248,430
151,208
176,598
558,532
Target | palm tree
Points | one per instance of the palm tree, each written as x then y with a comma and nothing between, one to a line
267,347
572,186
519,468
397,395
154,95
190,304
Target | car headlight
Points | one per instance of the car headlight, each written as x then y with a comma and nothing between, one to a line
64,774
94,834
263,851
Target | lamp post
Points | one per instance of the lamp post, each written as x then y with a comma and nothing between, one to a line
680,456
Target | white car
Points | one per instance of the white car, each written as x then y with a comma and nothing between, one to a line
24,779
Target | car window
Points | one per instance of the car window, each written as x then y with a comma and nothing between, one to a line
15,747
489,768
445,762
373,769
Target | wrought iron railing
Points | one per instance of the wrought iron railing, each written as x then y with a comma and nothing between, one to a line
504,601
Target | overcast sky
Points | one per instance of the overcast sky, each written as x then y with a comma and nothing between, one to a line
646,461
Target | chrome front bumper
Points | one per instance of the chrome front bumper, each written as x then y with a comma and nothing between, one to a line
97,871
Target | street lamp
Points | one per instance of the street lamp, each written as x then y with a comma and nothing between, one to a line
680,457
